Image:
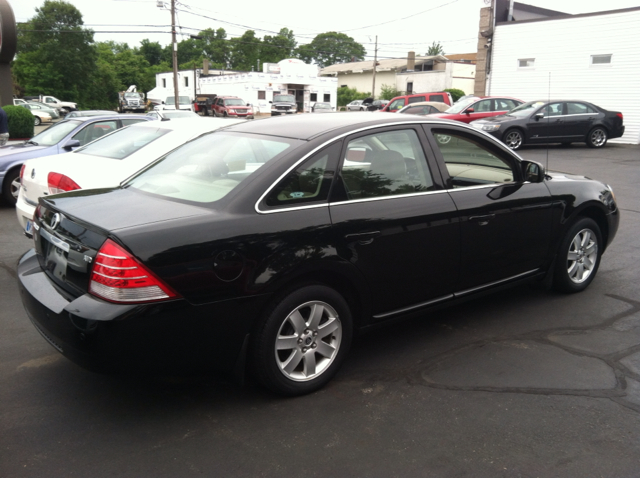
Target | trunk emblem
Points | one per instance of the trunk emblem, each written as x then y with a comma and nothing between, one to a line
55,220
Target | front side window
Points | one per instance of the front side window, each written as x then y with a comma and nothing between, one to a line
54,134
207,169
483,106
397,104
471,162
93,131
385,164
551,110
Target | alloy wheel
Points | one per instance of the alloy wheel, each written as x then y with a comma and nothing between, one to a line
582,256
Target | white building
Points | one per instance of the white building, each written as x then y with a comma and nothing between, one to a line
187,84
592,57
412,74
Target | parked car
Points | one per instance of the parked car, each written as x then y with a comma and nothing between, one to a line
283,105
61,137
184,103
424,108
232,106
399,102
39,116
475,108
356,105
374,105
55,111
87,113
39,107
264,246
171,114
557,121
104,162
322,108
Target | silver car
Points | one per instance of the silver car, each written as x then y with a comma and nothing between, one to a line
356,106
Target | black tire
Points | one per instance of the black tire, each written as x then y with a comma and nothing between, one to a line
308,352
36,120
597,137
224,114
205,111
578,257
11,187
513,138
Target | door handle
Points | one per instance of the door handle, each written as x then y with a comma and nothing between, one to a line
363,238
482,220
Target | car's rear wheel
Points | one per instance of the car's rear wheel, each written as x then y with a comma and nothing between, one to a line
11,187
303,340
597,137
579,256
37,120
513,138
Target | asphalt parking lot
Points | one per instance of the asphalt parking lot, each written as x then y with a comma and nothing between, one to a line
524,383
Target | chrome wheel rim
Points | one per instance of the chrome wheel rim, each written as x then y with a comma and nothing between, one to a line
308,341
14,187
513,140
582,256
598,137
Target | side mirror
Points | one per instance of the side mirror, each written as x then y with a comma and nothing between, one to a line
538,116
470,110
248,104
533,172
72,143
271,102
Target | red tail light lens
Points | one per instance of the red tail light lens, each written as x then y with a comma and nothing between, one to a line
619,115
59,183
117,276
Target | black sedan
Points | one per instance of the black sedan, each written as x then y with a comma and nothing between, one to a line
565,122
263,247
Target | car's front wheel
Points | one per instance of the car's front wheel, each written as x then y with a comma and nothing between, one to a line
597,137
579,256
303,340
514,139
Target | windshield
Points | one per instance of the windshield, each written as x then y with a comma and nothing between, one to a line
179,114
234,102
122,142
461,105
54,134
183,100
525,109
284,98
210,167
131,95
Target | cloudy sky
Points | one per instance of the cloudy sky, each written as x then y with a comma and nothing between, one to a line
412,26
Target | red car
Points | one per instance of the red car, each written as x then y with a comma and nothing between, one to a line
232,106
474,108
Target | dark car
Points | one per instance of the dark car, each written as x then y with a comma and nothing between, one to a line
265,246
62,137
370,104
557,121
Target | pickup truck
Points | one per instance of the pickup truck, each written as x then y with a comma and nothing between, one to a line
283,105
63,106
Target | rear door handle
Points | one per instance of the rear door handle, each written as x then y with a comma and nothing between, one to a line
363,238
482,220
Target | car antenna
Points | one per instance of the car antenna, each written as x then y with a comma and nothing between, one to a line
548,117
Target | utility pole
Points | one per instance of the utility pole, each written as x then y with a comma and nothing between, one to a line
175,53
375,63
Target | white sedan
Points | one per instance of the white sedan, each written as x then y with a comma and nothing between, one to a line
107,161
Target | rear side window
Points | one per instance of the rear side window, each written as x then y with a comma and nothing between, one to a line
439,98
579,109
417,99
130,121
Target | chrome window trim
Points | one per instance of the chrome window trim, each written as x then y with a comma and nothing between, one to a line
483,186
367,128
384,198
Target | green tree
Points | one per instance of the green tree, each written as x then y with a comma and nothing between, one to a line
56,54
388,92
331,48
245,51
278,47
435,49
346,95
456,94
151,51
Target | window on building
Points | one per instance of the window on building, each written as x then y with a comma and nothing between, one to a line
327,98
164,82
409,87
601,59
186,81
262,95
313,97
526,62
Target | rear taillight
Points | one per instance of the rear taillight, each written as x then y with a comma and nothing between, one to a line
619,115
118,277
59,183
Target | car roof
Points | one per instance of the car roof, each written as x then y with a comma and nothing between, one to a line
307,127
85,119
200,124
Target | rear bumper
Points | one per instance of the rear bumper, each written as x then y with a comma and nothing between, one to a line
617,132
169,337
24,210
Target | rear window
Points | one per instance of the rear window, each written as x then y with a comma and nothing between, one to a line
210,167
123,142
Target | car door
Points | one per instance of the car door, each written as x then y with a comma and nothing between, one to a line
504,220
579,120
478,110
394,221
551,127
94,130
